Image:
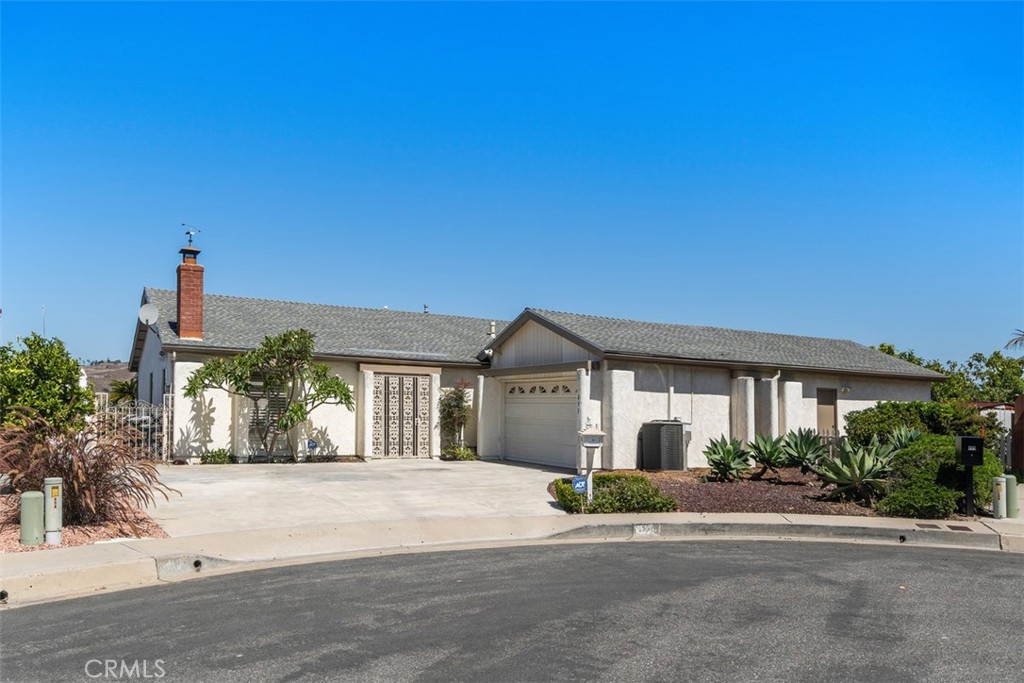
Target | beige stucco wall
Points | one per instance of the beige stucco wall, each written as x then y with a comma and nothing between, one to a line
864,392
641,392
333,427
201,424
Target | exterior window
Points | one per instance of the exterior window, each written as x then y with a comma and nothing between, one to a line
266,410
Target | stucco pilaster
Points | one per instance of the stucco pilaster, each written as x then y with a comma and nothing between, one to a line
478,413
364,436
490,423
792,406
583,415
621,422
435,421
743,426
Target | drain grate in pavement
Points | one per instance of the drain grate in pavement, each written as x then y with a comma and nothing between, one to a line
928,526
957,527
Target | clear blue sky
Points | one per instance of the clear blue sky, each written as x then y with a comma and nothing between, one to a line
840,170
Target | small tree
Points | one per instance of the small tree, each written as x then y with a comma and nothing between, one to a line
453,413
44,377
281,366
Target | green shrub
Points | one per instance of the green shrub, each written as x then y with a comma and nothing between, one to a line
949,418
457,453
920,498
727,458
615,493
218,456
803,449
929,464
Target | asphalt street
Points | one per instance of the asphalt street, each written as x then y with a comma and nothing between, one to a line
641,611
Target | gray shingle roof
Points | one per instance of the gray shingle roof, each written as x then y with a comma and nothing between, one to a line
240,323
629,337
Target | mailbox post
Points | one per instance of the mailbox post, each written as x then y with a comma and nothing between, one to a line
591,439
971,450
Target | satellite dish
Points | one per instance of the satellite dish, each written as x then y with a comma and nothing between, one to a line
149,314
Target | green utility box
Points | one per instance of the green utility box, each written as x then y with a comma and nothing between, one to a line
1012,504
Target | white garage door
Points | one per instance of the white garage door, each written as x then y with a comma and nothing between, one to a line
540,423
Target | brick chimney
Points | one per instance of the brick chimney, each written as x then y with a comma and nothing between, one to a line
190,295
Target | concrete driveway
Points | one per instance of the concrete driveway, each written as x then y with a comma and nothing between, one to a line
239,497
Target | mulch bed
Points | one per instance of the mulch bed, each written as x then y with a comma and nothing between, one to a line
797,494
10,531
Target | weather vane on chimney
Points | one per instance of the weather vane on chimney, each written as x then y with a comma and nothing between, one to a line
192,230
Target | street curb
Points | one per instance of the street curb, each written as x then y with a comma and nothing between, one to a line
913,537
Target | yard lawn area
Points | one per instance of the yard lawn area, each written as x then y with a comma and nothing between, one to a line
797,494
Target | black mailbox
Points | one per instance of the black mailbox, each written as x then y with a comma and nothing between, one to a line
970,449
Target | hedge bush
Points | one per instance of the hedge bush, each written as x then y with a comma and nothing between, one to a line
218,456
615,493
927,479
950,418
457,453
921,499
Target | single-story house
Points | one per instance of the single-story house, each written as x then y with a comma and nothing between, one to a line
535,382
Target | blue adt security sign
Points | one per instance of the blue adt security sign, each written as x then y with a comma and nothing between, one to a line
579,484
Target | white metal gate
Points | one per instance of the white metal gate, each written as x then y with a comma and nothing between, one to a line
148,428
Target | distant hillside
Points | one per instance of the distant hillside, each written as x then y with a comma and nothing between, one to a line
102,374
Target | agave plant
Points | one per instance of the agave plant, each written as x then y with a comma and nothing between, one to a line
857,472
803,449
727,458
767,452
901,437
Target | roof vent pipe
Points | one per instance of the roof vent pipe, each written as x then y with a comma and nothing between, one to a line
491,331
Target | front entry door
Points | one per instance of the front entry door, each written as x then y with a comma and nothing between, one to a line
827,411
401,416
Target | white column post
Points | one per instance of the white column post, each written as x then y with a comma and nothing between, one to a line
435,422
365,446
478,413
582,412
743,425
